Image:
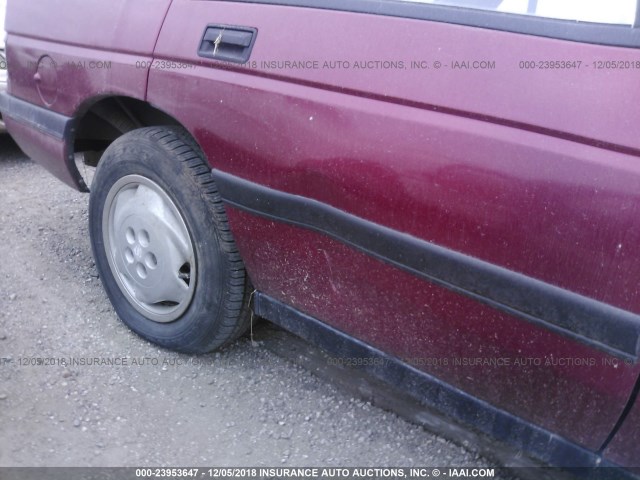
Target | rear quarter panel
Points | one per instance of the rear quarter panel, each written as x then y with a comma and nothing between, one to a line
95,48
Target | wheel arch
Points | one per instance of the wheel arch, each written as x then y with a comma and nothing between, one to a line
101,120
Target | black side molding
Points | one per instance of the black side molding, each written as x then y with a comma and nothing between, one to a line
47,121
441,397
602,326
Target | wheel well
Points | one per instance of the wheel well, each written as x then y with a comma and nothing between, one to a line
101,122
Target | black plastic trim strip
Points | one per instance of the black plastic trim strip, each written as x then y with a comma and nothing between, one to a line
442,397
602,326
586,32
34,116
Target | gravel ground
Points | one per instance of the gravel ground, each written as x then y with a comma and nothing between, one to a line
244,406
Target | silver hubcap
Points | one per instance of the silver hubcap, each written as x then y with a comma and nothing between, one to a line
149,248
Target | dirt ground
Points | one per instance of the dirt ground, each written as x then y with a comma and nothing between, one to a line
244,406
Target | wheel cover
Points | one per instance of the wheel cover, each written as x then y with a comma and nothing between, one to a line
149,248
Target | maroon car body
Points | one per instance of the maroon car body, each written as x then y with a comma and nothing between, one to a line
463,208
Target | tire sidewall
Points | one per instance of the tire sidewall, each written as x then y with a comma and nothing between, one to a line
150,159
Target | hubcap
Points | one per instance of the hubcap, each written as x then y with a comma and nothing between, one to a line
149,248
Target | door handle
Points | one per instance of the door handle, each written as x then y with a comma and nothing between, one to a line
227,43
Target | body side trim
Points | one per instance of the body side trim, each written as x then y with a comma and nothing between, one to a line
445,399
597,324
49,125
34,116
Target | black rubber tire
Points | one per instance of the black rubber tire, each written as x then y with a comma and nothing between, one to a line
218,312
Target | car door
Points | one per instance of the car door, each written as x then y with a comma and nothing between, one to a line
455,186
